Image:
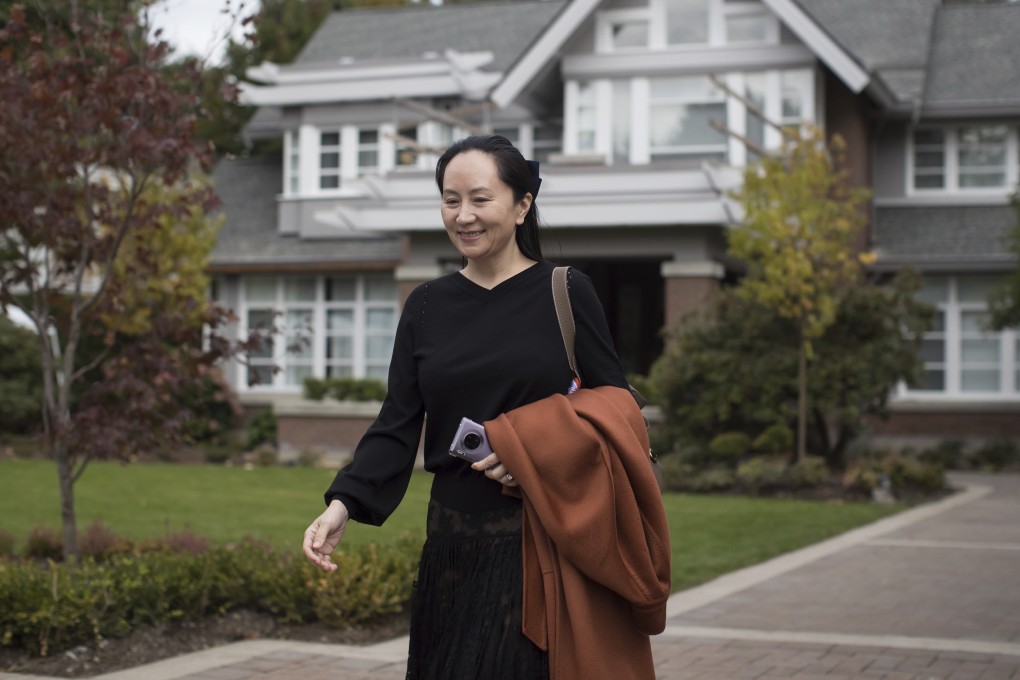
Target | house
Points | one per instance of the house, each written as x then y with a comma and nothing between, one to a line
621,100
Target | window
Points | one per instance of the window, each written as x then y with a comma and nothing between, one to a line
686,21
587,119
982,156
329,160
621,121
332,326
368,152
972,158
961,358
680,113
546,140
406,154
292,168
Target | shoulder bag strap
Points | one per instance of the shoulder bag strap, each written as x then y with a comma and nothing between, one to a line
565,314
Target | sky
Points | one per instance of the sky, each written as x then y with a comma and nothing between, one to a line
193,26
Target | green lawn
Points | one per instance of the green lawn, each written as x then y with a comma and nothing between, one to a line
711,535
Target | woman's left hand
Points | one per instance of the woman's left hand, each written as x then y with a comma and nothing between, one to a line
495,470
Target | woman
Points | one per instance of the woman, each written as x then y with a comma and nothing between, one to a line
476,343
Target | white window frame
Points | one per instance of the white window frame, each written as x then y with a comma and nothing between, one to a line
951,168
953,336
721,98
607,20
718,12
360,364
338,149
640,110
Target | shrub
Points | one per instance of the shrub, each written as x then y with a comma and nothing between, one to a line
808,473
729,447
777,438
53,606
265,455
316,388
760,473
860,478
909,475
43,544
7,542
949,454
679,475
310,457
996,455
262,429
99,542
20,378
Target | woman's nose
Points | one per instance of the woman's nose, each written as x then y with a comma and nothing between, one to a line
465,215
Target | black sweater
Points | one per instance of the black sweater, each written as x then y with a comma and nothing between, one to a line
462,350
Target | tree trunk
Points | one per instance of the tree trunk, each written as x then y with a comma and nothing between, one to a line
802,402
69,524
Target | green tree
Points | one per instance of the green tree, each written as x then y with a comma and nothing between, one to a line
1004,304
739,373
95,139
801,221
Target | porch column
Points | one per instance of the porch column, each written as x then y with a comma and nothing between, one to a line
690,286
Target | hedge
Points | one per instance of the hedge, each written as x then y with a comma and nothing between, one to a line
50,606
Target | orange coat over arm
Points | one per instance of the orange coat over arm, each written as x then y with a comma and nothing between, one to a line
595,538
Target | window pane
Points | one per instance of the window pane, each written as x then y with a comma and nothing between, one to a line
686,21
368,159
974,179
339,372
938,322
378,347
932,137
974,322
329,182
260,375
747,28
688,89
302,290
621,121
933,380
299,333
976,288
934,289
295,375
933,351
379,288
329,139
928,159
260,289
340,321
368,136
982,156
686,125
261,320
380,319
340,348
980,380
341,289
630,34
329,160
980,351
377,373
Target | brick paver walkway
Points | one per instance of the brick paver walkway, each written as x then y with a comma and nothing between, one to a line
930,594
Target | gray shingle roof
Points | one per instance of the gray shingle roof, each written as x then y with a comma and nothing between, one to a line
507,29
975,55
889,37
248,189
944,235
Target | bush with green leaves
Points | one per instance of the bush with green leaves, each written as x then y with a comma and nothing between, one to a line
776,438
683,477
51,606
761,473
262,429
738,373
996,455
809,473
21,385
729,447
344,389
950,454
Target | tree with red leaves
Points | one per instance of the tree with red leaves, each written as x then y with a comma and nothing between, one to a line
98,159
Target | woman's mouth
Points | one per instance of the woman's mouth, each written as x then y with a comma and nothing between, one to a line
470,235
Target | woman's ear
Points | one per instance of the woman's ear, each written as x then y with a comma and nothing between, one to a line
523,207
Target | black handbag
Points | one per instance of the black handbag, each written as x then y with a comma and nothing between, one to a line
565,316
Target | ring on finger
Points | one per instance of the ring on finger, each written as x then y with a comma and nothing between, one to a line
509,477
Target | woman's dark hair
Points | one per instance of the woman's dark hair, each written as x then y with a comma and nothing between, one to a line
514,172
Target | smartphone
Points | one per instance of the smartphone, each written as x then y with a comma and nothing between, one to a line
470,442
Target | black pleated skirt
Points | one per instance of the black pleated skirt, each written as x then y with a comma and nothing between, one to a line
466,607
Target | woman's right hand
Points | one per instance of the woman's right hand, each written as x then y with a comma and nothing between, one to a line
323,535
